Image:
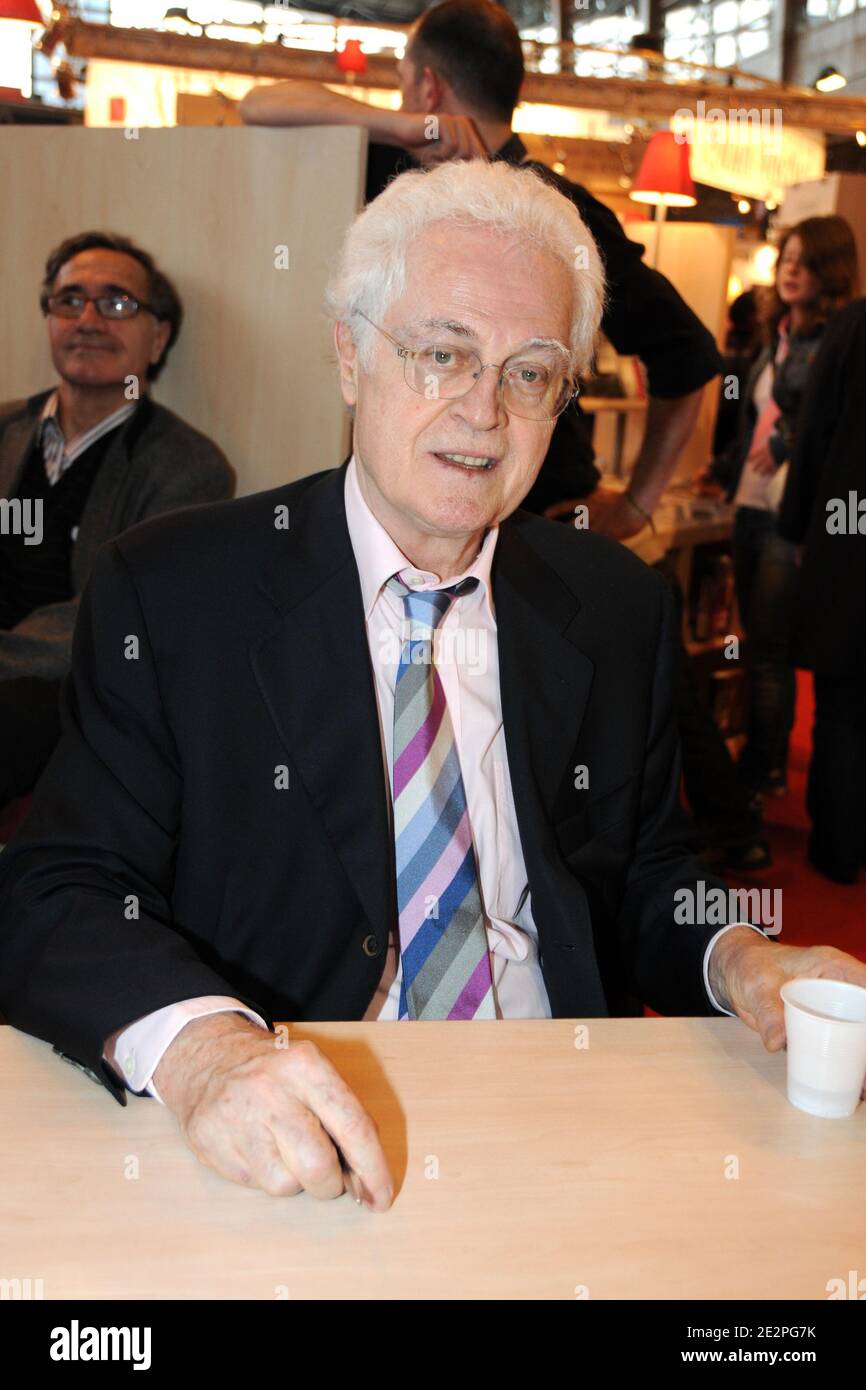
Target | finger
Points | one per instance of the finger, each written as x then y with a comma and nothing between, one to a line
477,143
265,1164
307,1153
769,1018
846,968
463,144
447,144
219,1148
760,1019
342,1115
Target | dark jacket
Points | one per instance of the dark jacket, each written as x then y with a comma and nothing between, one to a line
155,463
829,461
789,385
252,656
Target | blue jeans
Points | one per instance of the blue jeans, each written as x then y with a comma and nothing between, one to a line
767,578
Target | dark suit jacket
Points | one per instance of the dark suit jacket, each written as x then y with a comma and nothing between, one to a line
829,461
155,463
162,797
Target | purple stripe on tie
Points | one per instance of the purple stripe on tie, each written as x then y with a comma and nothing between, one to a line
474,990
413,914
419,745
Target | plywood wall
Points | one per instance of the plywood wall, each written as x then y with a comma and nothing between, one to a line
253,367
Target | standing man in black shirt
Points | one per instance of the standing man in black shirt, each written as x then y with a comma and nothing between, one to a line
460,79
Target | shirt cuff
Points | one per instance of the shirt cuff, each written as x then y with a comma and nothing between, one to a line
140,1047
708,952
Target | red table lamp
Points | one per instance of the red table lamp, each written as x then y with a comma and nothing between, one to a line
352,59
25,10
664,179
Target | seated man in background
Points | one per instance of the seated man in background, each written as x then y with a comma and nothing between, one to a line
79,464
375,744
460,79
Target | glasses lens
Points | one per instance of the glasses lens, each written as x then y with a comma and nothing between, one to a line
117,306
66,306
442,371
535,391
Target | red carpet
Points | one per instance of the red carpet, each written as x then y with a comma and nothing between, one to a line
813,908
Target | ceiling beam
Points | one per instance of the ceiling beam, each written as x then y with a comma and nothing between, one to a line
634,98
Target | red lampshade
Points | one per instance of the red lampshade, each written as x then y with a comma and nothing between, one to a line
351,58
664,175
26,10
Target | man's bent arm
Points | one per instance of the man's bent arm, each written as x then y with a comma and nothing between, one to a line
668,427
87,940
302,103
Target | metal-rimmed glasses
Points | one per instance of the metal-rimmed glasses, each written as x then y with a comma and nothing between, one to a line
529,387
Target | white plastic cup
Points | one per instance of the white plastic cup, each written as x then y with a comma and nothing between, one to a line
825,1022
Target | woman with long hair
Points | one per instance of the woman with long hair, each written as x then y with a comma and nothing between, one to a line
816,274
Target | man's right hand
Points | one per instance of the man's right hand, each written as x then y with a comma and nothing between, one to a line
435,139
265,1116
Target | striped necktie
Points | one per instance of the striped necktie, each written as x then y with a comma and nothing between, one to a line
443,939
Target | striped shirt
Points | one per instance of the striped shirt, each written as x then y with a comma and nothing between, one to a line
57,454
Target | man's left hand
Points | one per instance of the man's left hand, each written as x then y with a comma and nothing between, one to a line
746,973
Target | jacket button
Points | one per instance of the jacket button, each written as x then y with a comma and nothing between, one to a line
370,946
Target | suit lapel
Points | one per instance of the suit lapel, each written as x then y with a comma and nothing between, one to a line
545,679
16,441
313,669
112,471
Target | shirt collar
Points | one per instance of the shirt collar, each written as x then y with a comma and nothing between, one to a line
513,151
50,409
378,557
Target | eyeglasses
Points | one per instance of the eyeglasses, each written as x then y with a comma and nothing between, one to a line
529,388
71,305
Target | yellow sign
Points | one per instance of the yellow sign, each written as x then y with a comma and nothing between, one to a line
747,150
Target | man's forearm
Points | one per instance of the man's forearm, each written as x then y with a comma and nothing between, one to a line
669,424
303,103
724,953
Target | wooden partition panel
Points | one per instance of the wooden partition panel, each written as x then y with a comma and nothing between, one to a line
696,258
254,366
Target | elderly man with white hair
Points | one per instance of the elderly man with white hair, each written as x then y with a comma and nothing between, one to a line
376,744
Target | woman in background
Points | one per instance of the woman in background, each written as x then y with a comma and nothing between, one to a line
816,274
828,471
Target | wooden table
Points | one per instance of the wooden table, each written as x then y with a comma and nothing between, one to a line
526,1168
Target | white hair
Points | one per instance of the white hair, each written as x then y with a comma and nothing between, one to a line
371,270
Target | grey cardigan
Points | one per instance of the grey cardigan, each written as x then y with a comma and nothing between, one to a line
155,463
